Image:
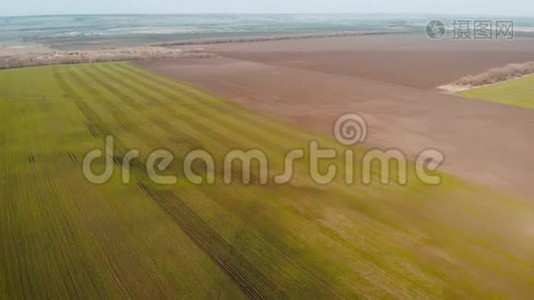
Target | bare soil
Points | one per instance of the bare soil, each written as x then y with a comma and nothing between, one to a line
391,81
406,59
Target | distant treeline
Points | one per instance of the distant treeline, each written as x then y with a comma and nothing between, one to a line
508,72
92,56
247,39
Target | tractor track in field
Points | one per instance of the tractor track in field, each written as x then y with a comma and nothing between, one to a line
116,108
206,117
189,222
209,118
123,118
207,131
170,129
133,88
21,97
222,261
299,266
156,119
201,101
244,120
256,241
93,121
251,280
120,116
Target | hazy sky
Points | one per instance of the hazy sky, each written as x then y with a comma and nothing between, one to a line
475,7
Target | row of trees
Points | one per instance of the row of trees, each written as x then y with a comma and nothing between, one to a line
495,75
90,56
246,39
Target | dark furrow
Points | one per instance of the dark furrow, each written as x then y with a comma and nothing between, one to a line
115,111
223,261
206,130
252,281
168,128
201,125
133,128
301,266
230,264
287,253
255,178
92,118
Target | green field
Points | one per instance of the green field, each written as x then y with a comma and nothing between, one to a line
518,92
61,236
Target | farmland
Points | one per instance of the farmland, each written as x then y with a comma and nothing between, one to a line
61,236
517,92
389,81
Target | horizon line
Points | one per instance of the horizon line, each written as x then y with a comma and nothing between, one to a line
528,16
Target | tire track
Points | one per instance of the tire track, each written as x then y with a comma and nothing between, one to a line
165,126
230,144
205,130
300,266
245,116
251,281
120,117
283,252
141,134
244,274
94,120
238,123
